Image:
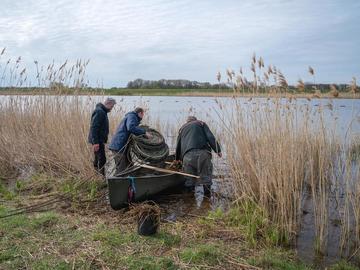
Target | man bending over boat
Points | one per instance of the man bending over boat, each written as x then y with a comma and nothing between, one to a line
99,131
194,144
119,143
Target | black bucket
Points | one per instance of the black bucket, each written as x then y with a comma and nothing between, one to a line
148,224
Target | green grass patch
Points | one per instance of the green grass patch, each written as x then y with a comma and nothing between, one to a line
8,254
149,263
166,239
343,265
209,254
40,221
45,221
38,184
10,224
51,263
77,187
5,193
116,238
278,260
116,245
23,238
252,221
52,240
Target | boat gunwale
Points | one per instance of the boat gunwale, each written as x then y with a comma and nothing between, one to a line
140,177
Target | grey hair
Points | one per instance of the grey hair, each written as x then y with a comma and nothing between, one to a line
110,100
191,118
139,110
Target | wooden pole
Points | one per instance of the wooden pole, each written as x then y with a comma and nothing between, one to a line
167,171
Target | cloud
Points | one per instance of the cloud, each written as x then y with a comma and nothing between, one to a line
185,39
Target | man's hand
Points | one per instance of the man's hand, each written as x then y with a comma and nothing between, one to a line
176,164
148,135
96,147
220,155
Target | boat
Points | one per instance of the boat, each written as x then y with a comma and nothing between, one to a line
140,184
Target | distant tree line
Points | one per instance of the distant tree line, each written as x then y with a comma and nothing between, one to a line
247,87
173,84
322,87
187,84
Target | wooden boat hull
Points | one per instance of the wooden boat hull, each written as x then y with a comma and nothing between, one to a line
145,183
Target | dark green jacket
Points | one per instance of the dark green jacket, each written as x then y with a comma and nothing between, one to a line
195,135
99,126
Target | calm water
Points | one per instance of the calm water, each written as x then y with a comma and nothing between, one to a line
346,112
341,114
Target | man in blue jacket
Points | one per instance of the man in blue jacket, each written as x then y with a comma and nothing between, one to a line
99,131
119,143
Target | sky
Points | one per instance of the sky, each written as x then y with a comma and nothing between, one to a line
156,39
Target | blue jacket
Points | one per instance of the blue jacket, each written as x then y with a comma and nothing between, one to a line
129,125
99,126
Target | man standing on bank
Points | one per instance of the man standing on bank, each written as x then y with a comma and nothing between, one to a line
194,144
99,131
119,143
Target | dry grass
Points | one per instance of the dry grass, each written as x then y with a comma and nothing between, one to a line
282,152
282,155
46,133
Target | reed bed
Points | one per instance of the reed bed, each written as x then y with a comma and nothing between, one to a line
283,154
46,134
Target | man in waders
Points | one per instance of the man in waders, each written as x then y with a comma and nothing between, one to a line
99,131
119,143
194,144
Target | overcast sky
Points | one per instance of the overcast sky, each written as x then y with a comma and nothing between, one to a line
156,39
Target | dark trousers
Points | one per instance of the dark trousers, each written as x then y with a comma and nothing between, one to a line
198,162
100,159
122,161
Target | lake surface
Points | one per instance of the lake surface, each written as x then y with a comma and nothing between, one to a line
169,109
341,114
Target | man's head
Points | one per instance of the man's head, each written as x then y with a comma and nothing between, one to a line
191,118
109,103
140,112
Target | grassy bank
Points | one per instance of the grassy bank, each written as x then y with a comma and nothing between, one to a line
62,241
92,236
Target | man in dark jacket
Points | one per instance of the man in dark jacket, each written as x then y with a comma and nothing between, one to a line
99,131
119,143
194,144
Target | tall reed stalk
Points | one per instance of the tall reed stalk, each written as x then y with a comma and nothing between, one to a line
282,151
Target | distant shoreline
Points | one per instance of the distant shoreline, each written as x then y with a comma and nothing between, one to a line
175,92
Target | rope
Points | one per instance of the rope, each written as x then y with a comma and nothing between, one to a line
132,183
151,150
131,189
